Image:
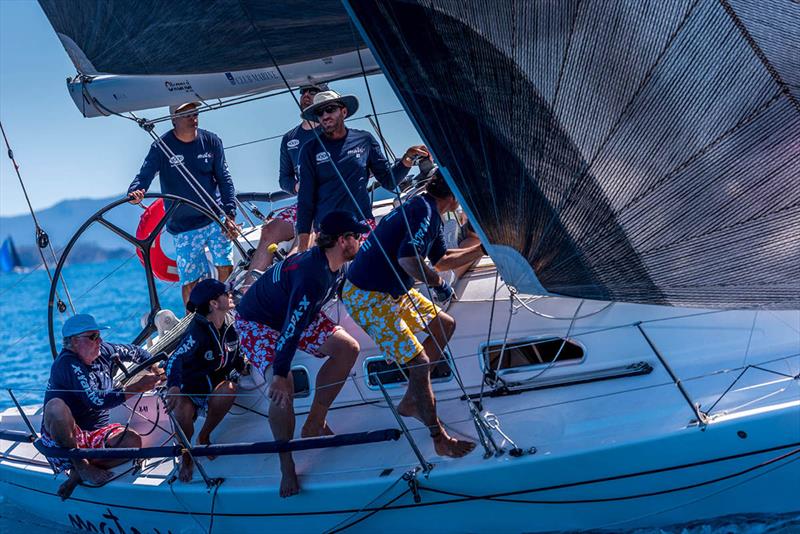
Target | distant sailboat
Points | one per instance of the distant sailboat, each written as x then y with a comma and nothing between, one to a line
9,259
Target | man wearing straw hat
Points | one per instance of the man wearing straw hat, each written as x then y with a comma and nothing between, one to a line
334,170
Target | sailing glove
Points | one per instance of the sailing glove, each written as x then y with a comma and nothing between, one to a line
443,292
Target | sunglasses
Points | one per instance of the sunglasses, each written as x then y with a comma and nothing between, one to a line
327,109
92,337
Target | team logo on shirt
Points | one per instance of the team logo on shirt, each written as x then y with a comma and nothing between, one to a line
209,355
176,160
294,143
322,156
357,151
207,156
296,315
186,347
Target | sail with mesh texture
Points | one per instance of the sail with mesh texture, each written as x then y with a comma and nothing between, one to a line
641,151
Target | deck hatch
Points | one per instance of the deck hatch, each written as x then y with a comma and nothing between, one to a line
522,354
391,375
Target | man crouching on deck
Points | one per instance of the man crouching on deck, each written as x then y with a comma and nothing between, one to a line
203,372
79,396
282,313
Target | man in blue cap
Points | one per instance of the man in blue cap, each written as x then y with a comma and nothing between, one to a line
281,313
80,394
203,372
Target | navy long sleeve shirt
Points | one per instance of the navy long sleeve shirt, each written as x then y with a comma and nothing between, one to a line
292,142
87,389
205,357
287,297
372,272
204,158
356,155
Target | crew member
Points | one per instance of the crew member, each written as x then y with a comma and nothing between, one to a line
203,372
380,297
80,394
341,154
281,313
202,154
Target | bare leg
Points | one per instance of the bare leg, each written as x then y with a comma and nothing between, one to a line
223,272
274,231
218,405
439,331
60,425
419,386
184,413
342,351
281,421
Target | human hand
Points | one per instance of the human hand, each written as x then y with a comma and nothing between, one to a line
145,382
281,391
231,228
136,197
414,153
173,394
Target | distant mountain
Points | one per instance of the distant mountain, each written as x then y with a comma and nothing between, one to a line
62,220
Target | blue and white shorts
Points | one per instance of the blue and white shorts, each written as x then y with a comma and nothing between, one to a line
190,249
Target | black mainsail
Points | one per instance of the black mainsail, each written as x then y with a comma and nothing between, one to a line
641,151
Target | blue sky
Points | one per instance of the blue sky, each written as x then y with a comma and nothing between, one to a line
63,155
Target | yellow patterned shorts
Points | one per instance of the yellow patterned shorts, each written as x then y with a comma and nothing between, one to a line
391,323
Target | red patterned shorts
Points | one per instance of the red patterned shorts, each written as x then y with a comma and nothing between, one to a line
84,439
258,340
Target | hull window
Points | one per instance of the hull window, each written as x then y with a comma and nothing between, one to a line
520,354
302,385
391,374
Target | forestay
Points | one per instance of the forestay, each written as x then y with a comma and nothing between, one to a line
640,151
139,55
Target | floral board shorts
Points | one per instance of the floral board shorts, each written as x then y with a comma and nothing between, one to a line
85,439
391,323
258,340
190,249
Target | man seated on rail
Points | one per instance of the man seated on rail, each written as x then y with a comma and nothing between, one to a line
281,228
282,313
380,297
80,394
203,372
334,169
199,152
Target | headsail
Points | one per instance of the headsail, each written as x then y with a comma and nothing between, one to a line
138,55
636,151
9,259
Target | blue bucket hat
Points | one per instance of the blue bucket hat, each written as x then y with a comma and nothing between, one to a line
78,324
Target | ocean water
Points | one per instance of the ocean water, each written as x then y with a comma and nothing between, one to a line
116,293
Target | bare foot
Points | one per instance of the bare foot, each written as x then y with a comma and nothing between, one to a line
205,440
444,445
314,430
187,467
91,473
66,489
289,483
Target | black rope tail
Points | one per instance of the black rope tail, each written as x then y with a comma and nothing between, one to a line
42,239
370,514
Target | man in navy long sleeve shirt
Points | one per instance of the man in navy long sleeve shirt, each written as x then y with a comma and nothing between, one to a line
353,154
80,394
281,313
202,154
281,228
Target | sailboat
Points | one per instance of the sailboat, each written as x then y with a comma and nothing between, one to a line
628,353
9,258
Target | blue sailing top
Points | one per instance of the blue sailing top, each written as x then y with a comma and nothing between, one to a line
356,155
371,271
204,158
292,142
287,297
87,389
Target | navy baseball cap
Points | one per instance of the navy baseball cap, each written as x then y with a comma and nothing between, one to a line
80,323
207,290
340,222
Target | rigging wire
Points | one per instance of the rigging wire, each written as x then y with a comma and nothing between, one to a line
42,239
